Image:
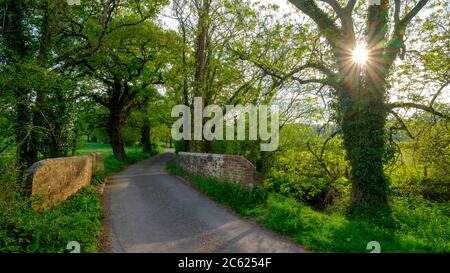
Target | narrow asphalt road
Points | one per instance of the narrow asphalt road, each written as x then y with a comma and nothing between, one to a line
152,211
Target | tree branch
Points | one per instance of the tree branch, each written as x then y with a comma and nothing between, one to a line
425,108
402,123
4,149
326,24
408,17
351,5
319,158
396,41
436,95
97,99
335,5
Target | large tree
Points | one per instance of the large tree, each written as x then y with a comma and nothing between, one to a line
15,52
361,88
42,43
125,71
208,67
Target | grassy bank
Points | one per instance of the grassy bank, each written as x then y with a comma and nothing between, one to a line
76,219
408,225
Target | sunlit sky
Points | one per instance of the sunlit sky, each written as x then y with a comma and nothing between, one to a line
286,7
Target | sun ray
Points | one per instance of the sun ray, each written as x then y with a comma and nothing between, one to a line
360,55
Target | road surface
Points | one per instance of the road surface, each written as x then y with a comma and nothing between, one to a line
149,211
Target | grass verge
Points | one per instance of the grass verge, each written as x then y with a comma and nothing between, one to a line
408,225
245,201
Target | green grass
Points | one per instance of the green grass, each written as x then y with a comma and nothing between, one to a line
112,165
400,229
76,219
408,225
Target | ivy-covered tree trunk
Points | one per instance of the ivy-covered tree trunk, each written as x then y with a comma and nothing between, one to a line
363,128
39,114
364,113
16,51
26,151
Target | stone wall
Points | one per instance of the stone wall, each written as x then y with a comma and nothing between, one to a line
232,168
56,179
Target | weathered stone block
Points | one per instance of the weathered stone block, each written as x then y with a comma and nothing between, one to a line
54,180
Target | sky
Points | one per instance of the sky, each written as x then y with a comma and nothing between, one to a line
284,5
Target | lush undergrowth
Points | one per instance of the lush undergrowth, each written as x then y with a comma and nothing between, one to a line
407,225
77,219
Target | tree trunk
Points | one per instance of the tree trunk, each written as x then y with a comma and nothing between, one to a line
146,138
16,50
203,25
26,151
364,116
200,73
116,124
39,113
363,127
185,79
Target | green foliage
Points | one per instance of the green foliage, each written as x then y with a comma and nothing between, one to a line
10,189
50,119
77,219
248,149
310,190
422,169
297,167
407,228
53,56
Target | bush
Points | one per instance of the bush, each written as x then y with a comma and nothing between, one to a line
298,174
10,188
309,190
297,170
423,170
77,219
